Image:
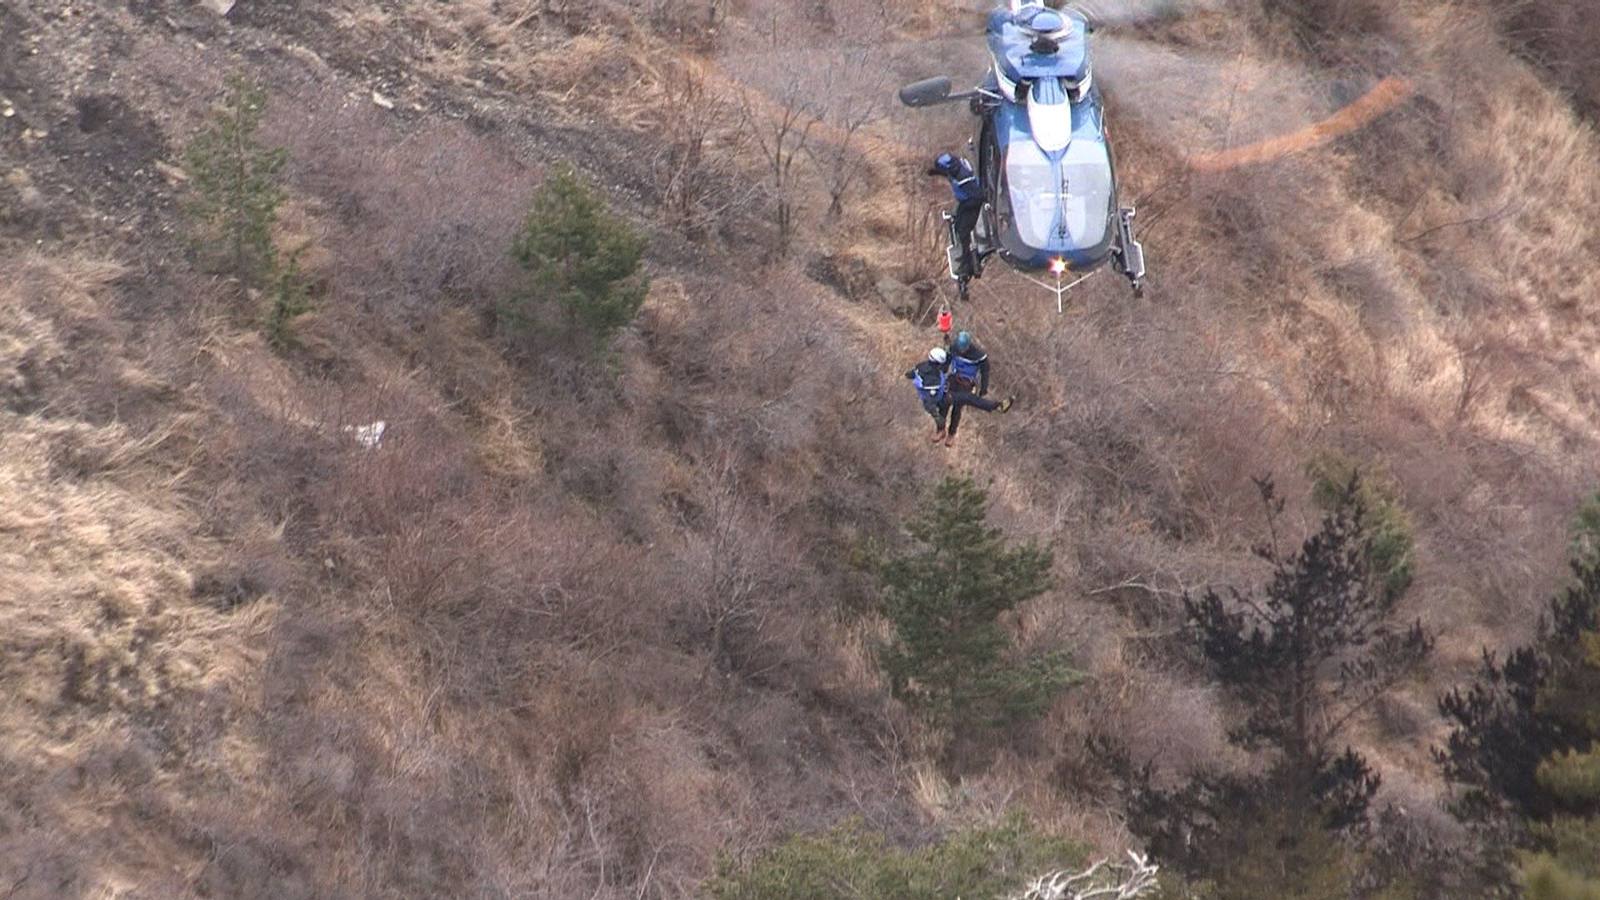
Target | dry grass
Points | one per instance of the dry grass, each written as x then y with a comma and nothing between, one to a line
573,632
1557,36
108,650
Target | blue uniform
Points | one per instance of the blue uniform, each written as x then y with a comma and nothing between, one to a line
963,180
970,367
968,191
933,388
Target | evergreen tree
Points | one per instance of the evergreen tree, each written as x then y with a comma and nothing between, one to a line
1584,546
1390,549
1566,864
1304,656
579,256
1313,650
949,656
289,299
1504,729
1522,750
237,184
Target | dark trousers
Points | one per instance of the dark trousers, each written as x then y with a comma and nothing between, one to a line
966,218
957,399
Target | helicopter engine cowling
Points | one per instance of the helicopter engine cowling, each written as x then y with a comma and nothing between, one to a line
1049,114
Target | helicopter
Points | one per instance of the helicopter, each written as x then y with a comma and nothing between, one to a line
1044,158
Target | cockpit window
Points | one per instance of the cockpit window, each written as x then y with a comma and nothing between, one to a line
1087,177
1060,205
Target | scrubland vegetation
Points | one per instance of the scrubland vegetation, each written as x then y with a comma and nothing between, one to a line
651,586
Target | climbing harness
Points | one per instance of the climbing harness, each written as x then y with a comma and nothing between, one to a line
935,391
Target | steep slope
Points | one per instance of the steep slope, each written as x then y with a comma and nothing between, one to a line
575,630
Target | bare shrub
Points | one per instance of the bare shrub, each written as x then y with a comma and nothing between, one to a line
781,129
1263,215
695,167
1320,24
733,552
694,24
923,238
417,225
854,90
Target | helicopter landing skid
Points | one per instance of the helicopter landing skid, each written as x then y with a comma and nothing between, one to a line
1130,253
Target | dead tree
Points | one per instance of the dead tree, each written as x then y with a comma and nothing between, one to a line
854,89
695,167
1102,881
781,129
733,550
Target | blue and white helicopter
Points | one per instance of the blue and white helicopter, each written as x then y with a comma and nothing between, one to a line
1044,158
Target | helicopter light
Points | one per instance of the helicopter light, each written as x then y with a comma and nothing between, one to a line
1058,267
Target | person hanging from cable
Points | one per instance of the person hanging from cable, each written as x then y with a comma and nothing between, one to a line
968,193
931,377
969,365
933,381
968,370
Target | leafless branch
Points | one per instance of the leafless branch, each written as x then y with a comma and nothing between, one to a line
1511,207
781,134
1111,881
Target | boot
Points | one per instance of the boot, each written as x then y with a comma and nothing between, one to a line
938,435
950,439
1005,404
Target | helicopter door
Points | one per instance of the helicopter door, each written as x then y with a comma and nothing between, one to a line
989,177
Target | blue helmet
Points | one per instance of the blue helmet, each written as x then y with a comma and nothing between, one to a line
945,162
963,341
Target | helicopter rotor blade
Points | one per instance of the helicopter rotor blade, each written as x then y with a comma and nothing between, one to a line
1202,102
1107,14
1199,102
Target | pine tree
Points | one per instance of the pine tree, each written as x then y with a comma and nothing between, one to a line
579,256
949,656
1522,752
1304,656
289,299
1504,727
1566,865
237,184
1390,548
1313,650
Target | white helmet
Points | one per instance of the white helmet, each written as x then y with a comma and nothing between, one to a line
938,355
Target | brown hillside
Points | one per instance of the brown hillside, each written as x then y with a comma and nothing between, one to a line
577,628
